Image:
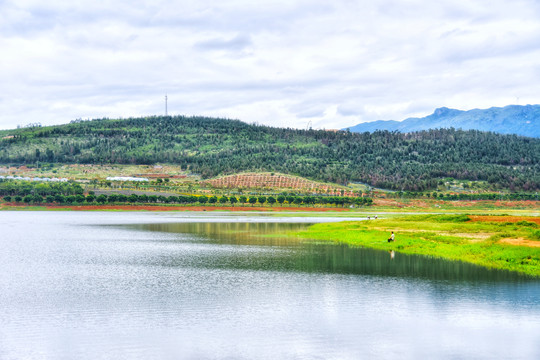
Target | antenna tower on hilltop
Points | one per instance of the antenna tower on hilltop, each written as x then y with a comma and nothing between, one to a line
166,105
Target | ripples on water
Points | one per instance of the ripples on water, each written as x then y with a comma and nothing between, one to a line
143,286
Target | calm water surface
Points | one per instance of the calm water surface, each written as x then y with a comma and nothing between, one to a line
208,286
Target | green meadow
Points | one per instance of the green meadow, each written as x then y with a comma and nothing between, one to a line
493,243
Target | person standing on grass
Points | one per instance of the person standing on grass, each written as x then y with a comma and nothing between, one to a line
391,238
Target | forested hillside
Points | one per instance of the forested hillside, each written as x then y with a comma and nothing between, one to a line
210,147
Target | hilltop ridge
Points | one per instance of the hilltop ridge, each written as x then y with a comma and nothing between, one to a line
212,147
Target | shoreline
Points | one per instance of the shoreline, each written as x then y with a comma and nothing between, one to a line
529,208
277,209
497,240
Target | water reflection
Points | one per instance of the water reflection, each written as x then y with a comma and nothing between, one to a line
72,289
276,252
240,233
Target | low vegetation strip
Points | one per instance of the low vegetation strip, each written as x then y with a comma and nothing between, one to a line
514,219
502,245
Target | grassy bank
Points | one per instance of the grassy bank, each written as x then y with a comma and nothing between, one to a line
510,243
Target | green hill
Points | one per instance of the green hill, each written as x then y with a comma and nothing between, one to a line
211,147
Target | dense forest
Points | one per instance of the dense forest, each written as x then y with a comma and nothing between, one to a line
208,146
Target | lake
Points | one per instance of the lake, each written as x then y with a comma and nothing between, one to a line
178,285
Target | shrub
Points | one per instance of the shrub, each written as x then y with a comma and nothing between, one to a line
101,199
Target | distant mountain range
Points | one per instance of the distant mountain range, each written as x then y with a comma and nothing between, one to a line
512,119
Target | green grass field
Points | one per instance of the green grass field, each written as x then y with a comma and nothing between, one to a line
510,245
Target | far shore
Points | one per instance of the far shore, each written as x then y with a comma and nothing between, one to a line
379,206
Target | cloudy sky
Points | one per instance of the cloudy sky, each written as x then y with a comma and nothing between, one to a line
282,63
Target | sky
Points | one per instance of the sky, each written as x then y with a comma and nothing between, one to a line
291,63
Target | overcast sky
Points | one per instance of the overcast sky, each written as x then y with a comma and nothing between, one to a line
282,63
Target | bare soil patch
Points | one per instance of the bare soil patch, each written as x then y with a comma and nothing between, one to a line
521,242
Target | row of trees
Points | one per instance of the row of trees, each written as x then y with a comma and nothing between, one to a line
211,147
188,199
23,188
466,196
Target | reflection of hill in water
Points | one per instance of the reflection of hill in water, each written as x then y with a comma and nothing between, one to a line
260,247
240,233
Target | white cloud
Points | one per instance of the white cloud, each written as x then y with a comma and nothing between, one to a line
281,63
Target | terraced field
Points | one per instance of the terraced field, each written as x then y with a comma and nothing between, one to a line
276,181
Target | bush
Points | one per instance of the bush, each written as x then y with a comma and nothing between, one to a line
452,218
529,224
102,199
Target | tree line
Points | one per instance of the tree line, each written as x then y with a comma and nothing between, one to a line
211,147
465,196
72,193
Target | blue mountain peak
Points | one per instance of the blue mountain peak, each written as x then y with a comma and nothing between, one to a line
444,111
512,119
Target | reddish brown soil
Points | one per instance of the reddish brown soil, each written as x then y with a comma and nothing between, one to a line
177,208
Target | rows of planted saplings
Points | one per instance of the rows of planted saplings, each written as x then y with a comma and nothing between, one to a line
103,199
